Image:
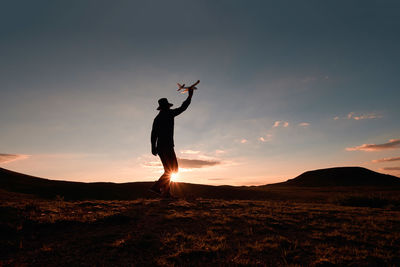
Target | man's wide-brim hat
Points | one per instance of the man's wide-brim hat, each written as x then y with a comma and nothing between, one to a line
163,104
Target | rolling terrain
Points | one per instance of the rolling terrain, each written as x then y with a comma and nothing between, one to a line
58,223
45,188
334,179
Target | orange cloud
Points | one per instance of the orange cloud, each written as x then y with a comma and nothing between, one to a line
243,141
196,163
188,151
185,163
357,117
152,164
5,158
392,144
352,115
220,151
386,160
265,138
304,124
280,123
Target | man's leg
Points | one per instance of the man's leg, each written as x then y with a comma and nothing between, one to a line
170,164
173,161
165,177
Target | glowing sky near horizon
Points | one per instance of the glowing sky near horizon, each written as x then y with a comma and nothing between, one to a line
286,87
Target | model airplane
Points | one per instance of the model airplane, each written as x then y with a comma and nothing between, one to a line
187,88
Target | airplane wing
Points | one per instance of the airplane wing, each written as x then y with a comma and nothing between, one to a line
196,83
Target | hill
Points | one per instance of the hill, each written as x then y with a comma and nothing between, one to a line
342,176
21,183
310,186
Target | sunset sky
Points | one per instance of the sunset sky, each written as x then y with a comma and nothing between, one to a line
286,87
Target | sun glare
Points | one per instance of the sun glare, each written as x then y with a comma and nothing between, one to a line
174,177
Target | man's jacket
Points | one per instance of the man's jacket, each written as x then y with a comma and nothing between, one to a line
163,126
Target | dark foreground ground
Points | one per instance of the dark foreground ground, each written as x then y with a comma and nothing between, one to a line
195,232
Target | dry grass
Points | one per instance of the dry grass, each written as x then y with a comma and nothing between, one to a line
196,232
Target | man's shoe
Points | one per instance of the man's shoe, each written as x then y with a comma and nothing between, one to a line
155,190
168,196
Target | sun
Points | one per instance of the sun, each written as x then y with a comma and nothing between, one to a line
174,177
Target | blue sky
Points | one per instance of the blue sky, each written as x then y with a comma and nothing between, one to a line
285,87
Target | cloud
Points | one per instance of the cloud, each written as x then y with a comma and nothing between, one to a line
196,163
243,141
391,168
304,124
280,123
191,152
392,144
358,117
386,160
220,151
352,115
265,138
184,163
5,158
152,164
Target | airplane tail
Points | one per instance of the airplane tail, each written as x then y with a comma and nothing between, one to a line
180,86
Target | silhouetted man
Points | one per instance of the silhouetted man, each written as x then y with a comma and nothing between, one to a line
162,142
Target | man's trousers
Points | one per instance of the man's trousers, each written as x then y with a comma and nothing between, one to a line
170,164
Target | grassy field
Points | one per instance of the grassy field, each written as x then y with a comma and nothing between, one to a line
196,232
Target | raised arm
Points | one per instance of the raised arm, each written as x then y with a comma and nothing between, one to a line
184,105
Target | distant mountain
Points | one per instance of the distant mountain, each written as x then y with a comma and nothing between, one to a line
342,176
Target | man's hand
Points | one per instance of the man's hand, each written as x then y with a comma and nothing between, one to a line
154,151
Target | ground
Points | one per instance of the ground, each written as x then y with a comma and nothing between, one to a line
196,232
